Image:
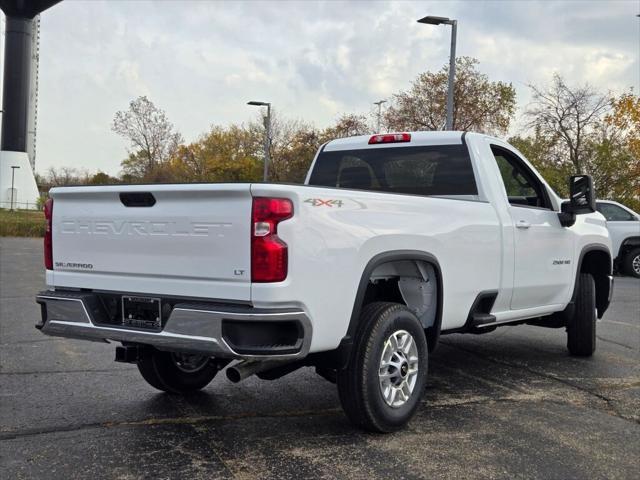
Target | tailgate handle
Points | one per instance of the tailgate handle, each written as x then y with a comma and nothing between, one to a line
137,199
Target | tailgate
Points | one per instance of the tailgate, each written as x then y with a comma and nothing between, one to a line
182,240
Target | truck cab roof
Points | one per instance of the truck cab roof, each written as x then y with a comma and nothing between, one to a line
416,139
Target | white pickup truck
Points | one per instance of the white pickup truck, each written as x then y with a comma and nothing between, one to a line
624,228
394,240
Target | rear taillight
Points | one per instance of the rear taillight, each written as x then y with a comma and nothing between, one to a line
268,252
390,138
48,243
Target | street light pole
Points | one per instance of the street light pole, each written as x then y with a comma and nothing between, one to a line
452,74
267,140
13,172
431,20
379,104
267,144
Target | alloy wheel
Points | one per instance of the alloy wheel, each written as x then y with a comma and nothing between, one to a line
398,370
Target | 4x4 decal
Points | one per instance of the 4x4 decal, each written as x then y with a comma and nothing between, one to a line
318,202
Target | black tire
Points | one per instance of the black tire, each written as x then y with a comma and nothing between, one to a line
359,385
161,371
581,327
632,257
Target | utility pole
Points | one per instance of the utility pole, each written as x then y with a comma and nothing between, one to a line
379,104
267,140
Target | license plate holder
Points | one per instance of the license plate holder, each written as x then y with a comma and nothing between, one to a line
142,312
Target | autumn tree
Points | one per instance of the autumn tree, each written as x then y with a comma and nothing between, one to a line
625,117
102,178
480,104
543,152
293,160
151,136
221,155
136,167
286,135
348,125
577,130
294,143
616,154
613,168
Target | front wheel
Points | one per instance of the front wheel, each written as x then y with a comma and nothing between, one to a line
631,263
177,372
581,327
382,385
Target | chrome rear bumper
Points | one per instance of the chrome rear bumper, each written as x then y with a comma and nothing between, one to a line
190,327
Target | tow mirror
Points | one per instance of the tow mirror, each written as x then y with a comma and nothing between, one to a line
582,199
581,194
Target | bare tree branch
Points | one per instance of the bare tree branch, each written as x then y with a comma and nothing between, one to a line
152,139
573,114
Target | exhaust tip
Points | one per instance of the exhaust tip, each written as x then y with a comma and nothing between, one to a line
233,375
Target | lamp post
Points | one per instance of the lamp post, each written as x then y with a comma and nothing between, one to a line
267,140
13,172
431,20
379,104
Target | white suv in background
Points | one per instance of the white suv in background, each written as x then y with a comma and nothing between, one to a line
624,227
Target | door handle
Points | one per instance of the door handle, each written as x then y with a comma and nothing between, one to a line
523,224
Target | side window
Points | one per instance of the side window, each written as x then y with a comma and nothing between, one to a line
522,186
614,213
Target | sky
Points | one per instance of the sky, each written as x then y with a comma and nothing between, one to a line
201,61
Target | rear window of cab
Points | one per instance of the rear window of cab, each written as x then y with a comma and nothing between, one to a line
440,170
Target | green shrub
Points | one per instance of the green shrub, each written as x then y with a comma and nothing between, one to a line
41,200
21,223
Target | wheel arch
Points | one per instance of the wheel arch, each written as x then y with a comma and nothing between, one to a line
377,261
596,260
628,244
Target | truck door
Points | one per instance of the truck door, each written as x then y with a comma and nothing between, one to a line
544,250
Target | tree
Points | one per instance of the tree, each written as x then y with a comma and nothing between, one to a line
222,155
294,143
348,125
102,178
151,137
625,117
293,161
59,177
286,137
613,167
586,139
136,167
543,152
479,104
614,155
569,114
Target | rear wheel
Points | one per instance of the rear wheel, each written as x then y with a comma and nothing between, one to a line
382,385
177,372
581,327
631,263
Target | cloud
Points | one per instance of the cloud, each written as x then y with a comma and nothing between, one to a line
202,61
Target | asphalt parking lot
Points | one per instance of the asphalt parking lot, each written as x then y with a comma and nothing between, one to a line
509,404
